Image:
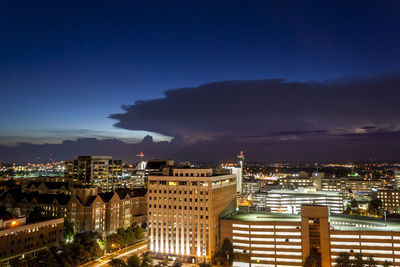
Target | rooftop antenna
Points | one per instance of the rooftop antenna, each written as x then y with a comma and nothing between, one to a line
140,155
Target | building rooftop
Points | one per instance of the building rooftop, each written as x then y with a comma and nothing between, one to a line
338,221
305,192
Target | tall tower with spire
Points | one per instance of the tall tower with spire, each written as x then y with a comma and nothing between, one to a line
239,173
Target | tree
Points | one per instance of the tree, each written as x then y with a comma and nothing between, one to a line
358,261
343,260
4,212
347,210
124,237
387,264
375,206
354,206
117,263
177,263
37,214
68,230
18,262
225,254
84,248
370,262
147,260
313,259
133,261
163,263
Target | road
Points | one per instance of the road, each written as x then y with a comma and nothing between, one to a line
122,254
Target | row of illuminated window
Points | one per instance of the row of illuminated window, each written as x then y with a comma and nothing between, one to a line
364,236
277,259
181,183
266,226
372,244
190,192
266,233
239,244
367,251
177,207
266,239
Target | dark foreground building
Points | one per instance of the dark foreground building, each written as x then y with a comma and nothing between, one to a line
18,239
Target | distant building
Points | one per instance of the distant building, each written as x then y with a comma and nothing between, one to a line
251,185
184,205
334,185
98,171
363,186
397,178
18,239
46,187
290,201
344,185
390,199
52,204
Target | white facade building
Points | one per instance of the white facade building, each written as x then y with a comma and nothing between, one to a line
290,201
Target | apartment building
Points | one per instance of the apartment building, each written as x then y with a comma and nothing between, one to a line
277,240
18,239
184,205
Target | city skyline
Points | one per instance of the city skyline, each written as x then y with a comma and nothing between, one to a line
282,81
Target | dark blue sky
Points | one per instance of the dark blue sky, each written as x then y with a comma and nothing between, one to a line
66,65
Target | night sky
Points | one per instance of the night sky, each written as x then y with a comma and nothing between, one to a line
200,80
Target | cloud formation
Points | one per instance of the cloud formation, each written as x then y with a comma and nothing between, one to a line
274,109
271,120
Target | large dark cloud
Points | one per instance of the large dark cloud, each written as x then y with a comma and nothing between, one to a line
271,120
269,108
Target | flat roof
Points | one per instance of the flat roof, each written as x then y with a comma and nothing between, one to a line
263,216
341,222
294,192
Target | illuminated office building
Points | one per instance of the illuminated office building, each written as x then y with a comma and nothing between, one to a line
184,205
98,171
